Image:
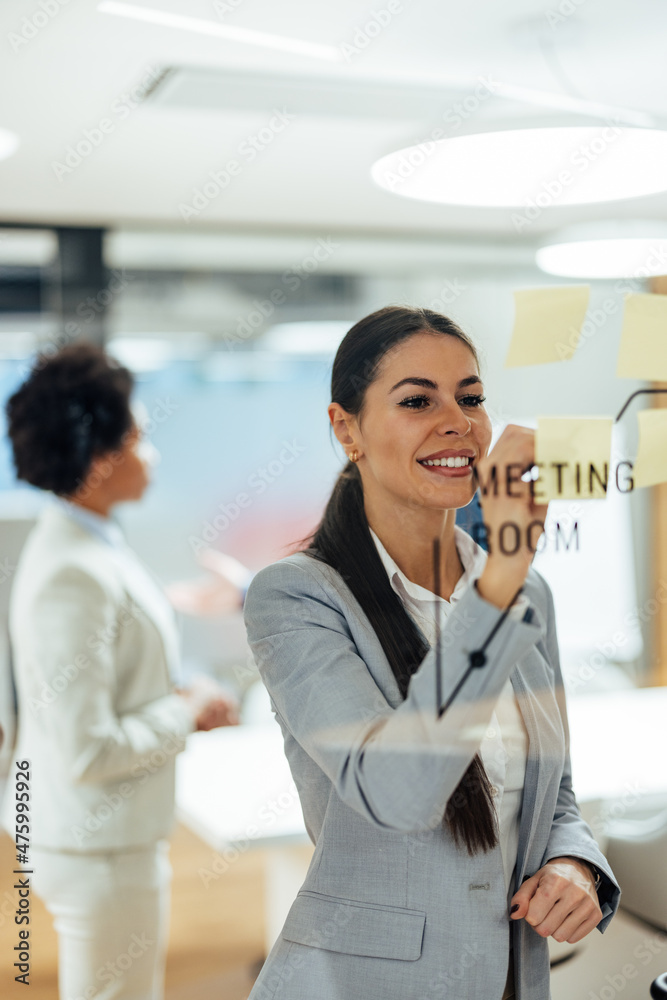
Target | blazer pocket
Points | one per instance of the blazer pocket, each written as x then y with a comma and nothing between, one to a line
354,927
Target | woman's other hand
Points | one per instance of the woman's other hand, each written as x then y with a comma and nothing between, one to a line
559,901
513,520
212,706
221,593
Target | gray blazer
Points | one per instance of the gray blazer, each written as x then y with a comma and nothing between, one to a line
391,908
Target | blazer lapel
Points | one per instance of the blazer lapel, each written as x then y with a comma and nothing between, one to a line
146,592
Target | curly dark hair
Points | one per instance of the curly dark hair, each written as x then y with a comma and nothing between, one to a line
73,407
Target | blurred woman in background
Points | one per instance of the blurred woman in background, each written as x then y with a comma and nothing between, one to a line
95,649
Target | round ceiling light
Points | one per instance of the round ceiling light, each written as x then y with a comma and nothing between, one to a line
627,249
542,167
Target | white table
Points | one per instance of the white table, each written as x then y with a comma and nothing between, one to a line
235,790
618,743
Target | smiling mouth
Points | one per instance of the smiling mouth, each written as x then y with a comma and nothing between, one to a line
464,461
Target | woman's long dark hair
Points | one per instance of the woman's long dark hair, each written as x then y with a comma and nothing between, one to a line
343,540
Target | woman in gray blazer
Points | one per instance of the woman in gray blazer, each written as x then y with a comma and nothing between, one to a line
448,845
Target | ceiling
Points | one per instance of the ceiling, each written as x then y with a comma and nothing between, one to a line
314,174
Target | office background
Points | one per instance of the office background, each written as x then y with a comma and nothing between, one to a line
227,288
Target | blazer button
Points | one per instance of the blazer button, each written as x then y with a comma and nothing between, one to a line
494,790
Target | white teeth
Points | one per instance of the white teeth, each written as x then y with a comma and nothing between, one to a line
450,463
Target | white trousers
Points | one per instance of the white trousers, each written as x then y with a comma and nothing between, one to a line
111,914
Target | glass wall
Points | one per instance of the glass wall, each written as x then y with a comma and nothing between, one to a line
233,370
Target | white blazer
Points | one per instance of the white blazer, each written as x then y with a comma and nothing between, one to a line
94,645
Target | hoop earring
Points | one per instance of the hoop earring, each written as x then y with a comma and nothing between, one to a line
354,456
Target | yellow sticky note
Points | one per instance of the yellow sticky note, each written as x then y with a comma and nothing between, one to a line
574,457
643,349
650,466
547,324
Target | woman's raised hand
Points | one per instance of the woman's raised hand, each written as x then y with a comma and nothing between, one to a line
513,521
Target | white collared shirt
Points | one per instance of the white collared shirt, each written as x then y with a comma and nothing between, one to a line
505,743
96,524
